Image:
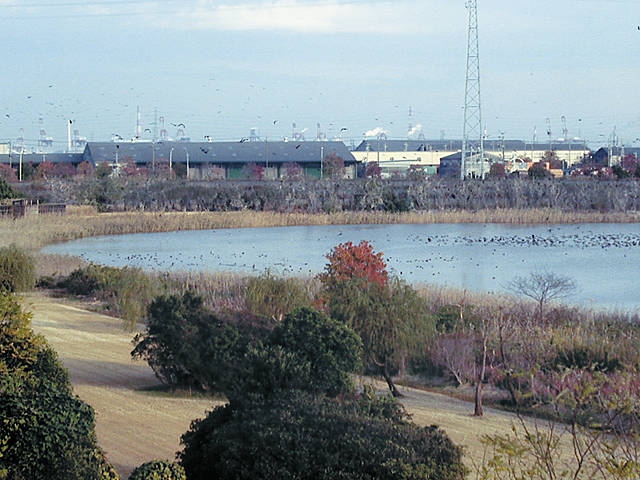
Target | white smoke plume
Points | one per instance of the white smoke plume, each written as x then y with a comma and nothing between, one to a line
376,132
415,131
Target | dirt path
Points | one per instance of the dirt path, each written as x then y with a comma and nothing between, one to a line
135,426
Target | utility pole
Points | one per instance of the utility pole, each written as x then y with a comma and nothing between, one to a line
472,138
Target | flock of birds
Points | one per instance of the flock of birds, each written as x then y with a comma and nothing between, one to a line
415,256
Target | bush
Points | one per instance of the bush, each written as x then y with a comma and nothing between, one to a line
83,281
187,345
6,191
127,291
17,269
296,435
273,297
330,348
307,351
46,431
158,470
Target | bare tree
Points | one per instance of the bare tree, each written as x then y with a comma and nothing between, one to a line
543,287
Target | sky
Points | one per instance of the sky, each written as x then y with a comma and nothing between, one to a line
548,68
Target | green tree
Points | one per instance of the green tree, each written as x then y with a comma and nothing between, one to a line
6,190
620,172
388,315
329,348
298,435
392,321
158,470
187,345
46,432
538,170
17,269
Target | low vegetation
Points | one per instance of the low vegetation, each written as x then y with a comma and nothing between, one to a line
414,193
46,431
17,269
296,435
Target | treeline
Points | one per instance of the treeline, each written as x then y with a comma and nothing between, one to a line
313,196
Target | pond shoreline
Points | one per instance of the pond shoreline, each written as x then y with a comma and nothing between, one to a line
37,231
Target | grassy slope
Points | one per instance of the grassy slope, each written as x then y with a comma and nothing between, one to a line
134,425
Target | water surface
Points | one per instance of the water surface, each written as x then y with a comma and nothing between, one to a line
603,259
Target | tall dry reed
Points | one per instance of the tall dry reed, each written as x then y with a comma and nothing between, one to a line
34,232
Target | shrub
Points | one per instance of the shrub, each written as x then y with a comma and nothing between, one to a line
17,269
127,291
308,351
331,349
46,431
273,297
186,345
158,470
83,281
297,435
6,191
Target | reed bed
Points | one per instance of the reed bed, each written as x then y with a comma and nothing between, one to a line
35,232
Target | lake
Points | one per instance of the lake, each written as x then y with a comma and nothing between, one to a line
603,259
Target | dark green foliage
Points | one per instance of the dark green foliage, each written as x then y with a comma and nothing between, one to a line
331,349
538,170
395,201
46,432
449,319
6,191
299,436
88,280
308,351
158,470
620,172
17,269
186,345
583,357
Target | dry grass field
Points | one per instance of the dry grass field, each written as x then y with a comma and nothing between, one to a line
135,425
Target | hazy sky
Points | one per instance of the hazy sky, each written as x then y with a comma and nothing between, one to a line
224,67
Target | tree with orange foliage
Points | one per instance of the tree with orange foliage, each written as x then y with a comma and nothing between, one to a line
348,261
387,314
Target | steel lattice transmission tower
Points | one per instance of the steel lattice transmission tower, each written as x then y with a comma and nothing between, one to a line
472,135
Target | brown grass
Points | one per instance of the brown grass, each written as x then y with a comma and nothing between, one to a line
34,232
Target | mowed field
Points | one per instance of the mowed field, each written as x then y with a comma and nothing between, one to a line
135,425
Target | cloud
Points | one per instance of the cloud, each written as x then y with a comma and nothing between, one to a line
316,17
